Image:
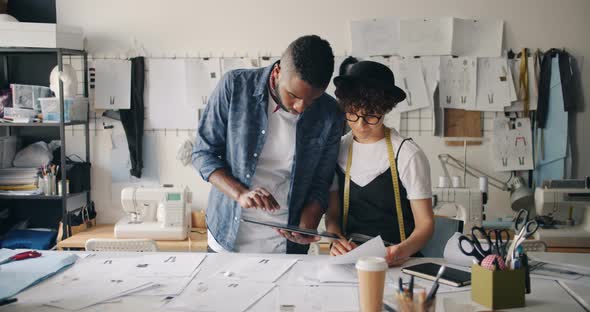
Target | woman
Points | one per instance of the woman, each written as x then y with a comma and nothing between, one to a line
364,198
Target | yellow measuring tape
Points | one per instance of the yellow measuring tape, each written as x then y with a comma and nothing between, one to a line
393,166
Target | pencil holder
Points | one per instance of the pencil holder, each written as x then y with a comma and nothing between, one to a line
405,304
497,289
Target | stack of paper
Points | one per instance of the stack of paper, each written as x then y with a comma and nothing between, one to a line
258,269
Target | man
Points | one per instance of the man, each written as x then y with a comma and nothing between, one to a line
268,142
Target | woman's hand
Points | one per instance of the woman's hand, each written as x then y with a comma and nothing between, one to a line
395,255
341,246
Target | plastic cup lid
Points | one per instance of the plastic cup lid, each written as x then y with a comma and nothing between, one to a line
371,264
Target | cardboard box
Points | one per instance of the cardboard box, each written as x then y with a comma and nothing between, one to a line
498,289
41,35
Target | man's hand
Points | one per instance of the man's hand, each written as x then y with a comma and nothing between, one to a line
297,237
341,246
258,198
394,256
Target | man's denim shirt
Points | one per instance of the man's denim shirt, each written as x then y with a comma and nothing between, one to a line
231,134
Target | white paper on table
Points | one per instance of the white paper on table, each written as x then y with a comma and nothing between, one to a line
168,286
512,148
580,292
377,36
338,273
458,82
410,78
331,87
258,269
482,38
493,86
426,36
202,76
112,84
431,71
231,63
554,272
84,293
177,265
533,72
219,295
167,105
371,248
325,298
573,261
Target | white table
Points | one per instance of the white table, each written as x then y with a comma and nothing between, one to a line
547,295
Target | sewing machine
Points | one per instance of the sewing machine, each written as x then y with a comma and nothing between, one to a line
567,202
158,213
459,203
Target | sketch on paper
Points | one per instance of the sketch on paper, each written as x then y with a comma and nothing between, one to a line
458,79
512,148
493,85
377,36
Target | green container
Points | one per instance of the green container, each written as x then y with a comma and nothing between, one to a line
497,289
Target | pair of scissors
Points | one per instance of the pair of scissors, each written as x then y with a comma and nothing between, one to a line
500,242
22,256
525,229
477,250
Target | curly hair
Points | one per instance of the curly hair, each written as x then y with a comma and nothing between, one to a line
311,57
370,100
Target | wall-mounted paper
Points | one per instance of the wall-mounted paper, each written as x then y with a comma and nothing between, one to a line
112,84
431,71
481,38
331,87
493,85
409,77
426,36
512,145
458,81
393,120
231,63
202,75
378,36
268,60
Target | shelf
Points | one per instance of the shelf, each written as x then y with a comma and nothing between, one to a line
20,50
41,124
41,197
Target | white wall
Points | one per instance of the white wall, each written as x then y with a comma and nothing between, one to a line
227,28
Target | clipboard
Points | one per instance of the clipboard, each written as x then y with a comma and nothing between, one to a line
292,228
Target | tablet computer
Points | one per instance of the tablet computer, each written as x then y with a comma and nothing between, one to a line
292,228
451,277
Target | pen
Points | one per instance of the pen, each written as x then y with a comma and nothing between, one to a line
411,287
401,286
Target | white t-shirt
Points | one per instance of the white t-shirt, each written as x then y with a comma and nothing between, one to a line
273,173
371,160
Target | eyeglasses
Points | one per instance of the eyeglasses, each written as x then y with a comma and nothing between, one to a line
369,119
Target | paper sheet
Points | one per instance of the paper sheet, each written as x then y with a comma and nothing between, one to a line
112,84
231,63
258,269
574,261
409,77
168,265
493,86
512,148
426,36
371,248
168,286
85,293
580,292
482,38
325,298
202,75
533,71
378,36
452,254
268,60
337,273
219,295
458,81
431,71
167,106
555,272
393,120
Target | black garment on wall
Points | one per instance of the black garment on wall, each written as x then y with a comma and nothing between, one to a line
132,118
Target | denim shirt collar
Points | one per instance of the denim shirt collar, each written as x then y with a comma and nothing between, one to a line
262,81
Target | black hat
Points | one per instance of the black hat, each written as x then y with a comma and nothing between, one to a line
371,74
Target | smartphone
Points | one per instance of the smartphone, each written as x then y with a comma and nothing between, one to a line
429,270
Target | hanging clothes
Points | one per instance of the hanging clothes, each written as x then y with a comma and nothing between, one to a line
132,118
552,122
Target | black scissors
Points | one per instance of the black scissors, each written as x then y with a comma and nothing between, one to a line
477,250
522,220
500,243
